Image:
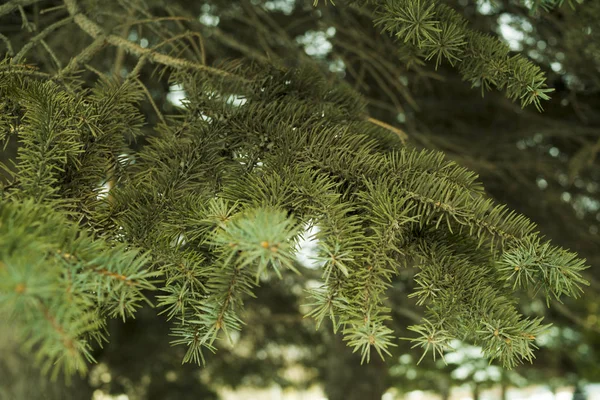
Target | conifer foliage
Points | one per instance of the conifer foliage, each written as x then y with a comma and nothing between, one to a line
216,201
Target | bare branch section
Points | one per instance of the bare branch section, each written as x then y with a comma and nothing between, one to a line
92,29
14,4
39,38
401,134
95,31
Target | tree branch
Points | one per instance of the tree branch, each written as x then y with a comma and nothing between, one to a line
401,134
92,29
14,4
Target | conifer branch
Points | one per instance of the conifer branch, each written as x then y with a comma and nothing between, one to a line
441,33
92,29
83,57
218,197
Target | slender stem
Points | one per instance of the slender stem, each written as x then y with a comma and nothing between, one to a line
120,56
83,57
9,48
14,4
92,29
51,9
68,341
149,97
39,38
403,136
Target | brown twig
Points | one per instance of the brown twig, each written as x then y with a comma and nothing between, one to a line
94,268
151,100
67,341
401,134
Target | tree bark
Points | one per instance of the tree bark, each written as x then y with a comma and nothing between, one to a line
444,388
347,379
476,392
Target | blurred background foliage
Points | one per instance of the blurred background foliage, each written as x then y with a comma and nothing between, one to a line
544,165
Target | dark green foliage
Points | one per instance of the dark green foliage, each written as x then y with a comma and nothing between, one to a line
439,32
215,201
60,284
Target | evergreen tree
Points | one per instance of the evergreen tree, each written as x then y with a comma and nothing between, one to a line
108,202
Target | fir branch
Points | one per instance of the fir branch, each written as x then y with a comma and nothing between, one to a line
459,304
95,31
49,139
218,197
47,285
536,265
83,57
369,335
443,34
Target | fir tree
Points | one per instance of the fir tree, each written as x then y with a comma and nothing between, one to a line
214,202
